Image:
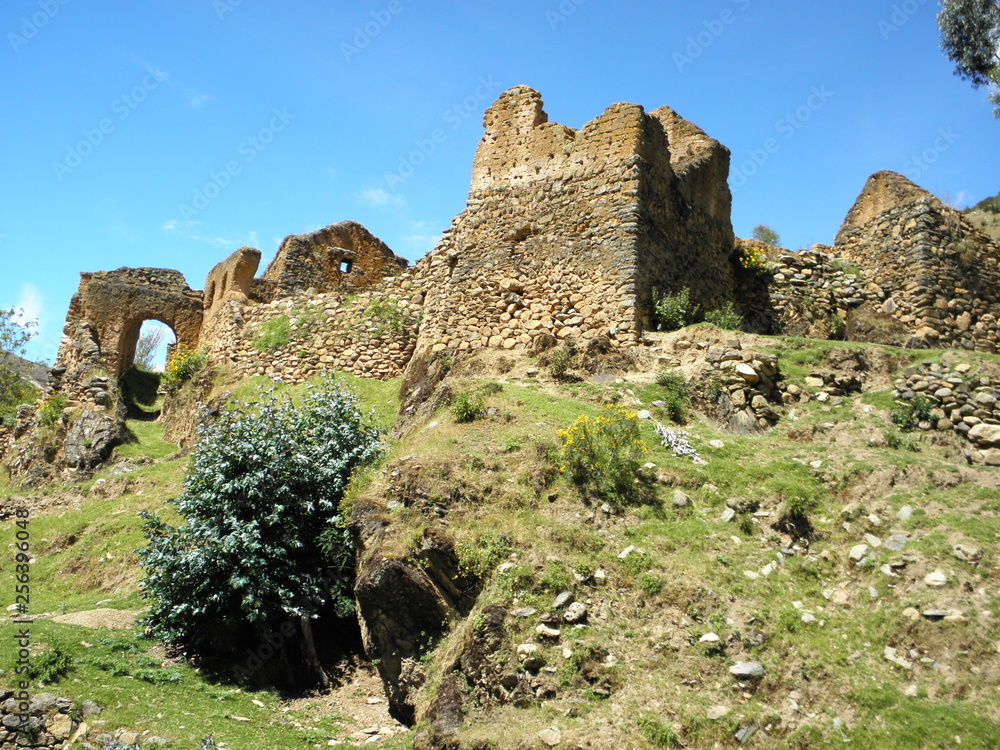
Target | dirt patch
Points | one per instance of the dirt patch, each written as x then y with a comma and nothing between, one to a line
108,619
359,698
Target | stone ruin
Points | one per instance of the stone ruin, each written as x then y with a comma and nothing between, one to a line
567,235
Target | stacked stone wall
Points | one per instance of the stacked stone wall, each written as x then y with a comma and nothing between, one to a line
934,271
344,254
372,334
810,290
568,232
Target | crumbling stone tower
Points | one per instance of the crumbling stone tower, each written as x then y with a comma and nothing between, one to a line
569,232
927,264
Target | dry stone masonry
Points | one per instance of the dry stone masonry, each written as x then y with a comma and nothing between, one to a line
567,235
955,397
933,269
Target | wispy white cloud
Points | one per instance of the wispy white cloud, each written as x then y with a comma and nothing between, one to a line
377,197
187,230
331,172
197,101
31,303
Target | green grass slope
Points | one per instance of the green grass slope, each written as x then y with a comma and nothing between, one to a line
675,595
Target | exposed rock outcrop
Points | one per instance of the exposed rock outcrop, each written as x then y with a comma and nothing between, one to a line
406,598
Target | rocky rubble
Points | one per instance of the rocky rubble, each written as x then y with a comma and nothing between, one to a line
751,391
954,398
49,722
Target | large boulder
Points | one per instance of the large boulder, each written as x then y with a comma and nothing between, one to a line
406,596
985,434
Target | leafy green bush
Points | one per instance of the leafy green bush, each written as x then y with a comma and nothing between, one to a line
838,327
725,317
909,416
50,665
273,334
263,548
676,396
561,360
389,315
51,409
466,407
483,556
799,505
183,364
674,311
603,454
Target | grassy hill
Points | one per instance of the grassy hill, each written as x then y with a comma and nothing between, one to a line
707,568
986,216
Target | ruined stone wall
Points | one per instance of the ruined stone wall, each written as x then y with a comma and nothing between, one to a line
372,334
566,232
338,255
810,288
233,276
934,271
116,303
685,236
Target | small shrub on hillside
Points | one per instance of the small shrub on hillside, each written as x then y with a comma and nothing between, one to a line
560,361
557,577
798,506
909,416
182,366
674,311
483,556
838,327
466,407
273,334
603,454
262,549
676,394
725,317
491,388
51,409
901,441
649,583
50,665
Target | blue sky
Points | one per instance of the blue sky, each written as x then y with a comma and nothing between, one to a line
169,133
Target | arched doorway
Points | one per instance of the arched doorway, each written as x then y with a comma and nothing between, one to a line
143,351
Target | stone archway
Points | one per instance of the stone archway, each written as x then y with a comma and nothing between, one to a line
115,304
